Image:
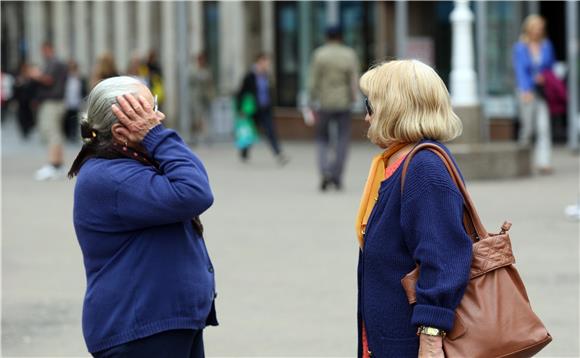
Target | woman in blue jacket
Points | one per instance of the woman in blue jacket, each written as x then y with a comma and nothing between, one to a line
532,55
407,104
137,201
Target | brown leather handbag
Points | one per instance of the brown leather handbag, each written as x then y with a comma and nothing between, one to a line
494,317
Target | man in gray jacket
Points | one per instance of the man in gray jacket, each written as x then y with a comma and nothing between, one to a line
333,88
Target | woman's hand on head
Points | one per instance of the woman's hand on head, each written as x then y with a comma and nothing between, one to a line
136,115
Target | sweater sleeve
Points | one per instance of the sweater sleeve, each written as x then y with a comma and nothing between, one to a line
431,219
178,192
524,80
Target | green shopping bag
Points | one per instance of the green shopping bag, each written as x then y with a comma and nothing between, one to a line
245,132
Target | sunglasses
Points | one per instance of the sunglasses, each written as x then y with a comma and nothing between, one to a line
368,107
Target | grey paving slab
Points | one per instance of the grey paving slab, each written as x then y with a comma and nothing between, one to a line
285,254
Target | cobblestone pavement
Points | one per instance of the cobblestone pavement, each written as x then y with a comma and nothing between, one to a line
285,254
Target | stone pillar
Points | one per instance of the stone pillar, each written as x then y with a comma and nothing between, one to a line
12,25
196,21
60,29
182,71
304,49
81,38
401,27
381,30
168,60
35,28
99,18
121,45
267,14
232,45
463,78
572,57
143,27
332,13
481,40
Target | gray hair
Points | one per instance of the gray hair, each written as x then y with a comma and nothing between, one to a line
99,118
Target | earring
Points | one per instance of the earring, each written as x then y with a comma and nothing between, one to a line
125,147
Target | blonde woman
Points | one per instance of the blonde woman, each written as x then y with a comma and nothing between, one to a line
407,104
533,55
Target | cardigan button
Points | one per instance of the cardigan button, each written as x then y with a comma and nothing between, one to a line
210,269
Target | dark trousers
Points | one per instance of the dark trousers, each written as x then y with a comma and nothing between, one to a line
332,169
179,343
265,121
70,124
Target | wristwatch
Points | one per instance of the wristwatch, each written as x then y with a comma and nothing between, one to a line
431,331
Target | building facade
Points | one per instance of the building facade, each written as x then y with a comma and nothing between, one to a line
232,33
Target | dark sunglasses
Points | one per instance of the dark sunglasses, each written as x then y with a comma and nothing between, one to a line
368,106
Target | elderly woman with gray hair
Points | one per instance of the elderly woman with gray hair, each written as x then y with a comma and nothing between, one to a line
138,196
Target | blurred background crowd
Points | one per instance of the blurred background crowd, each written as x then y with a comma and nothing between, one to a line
220,40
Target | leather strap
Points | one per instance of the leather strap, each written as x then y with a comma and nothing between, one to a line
471,218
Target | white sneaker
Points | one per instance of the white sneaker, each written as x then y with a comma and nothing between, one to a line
49,172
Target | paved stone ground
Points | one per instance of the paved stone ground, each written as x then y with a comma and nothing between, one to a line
285,254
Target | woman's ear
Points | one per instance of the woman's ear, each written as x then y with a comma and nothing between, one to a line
120,133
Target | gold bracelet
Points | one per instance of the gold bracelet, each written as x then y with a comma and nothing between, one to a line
431,331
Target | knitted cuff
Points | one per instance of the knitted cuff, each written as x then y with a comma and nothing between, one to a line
153,138
433,316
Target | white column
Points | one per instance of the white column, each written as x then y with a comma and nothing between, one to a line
121,48
60,29
99,18
463,78
81,36
168,60
232,45
143,27
35,28
196,21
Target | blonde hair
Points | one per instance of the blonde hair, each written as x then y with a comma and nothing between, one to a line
410,102
530,21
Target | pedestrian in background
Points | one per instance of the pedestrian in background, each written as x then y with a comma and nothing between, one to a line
408,104
136,69
51,87
75,91
532,55
25,94
138,197
333,88
152,72
104,68
202,90
256,87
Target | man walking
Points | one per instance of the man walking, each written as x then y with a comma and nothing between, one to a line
333,87
51,91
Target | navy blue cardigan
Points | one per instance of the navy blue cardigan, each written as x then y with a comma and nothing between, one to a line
423,225
147,269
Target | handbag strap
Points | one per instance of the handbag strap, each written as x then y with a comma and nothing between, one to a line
472,221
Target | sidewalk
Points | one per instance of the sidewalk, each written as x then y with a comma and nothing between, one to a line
285,254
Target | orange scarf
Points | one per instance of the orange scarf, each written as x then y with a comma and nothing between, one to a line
371,190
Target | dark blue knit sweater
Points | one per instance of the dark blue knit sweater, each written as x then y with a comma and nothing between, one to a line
423,225
147,269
